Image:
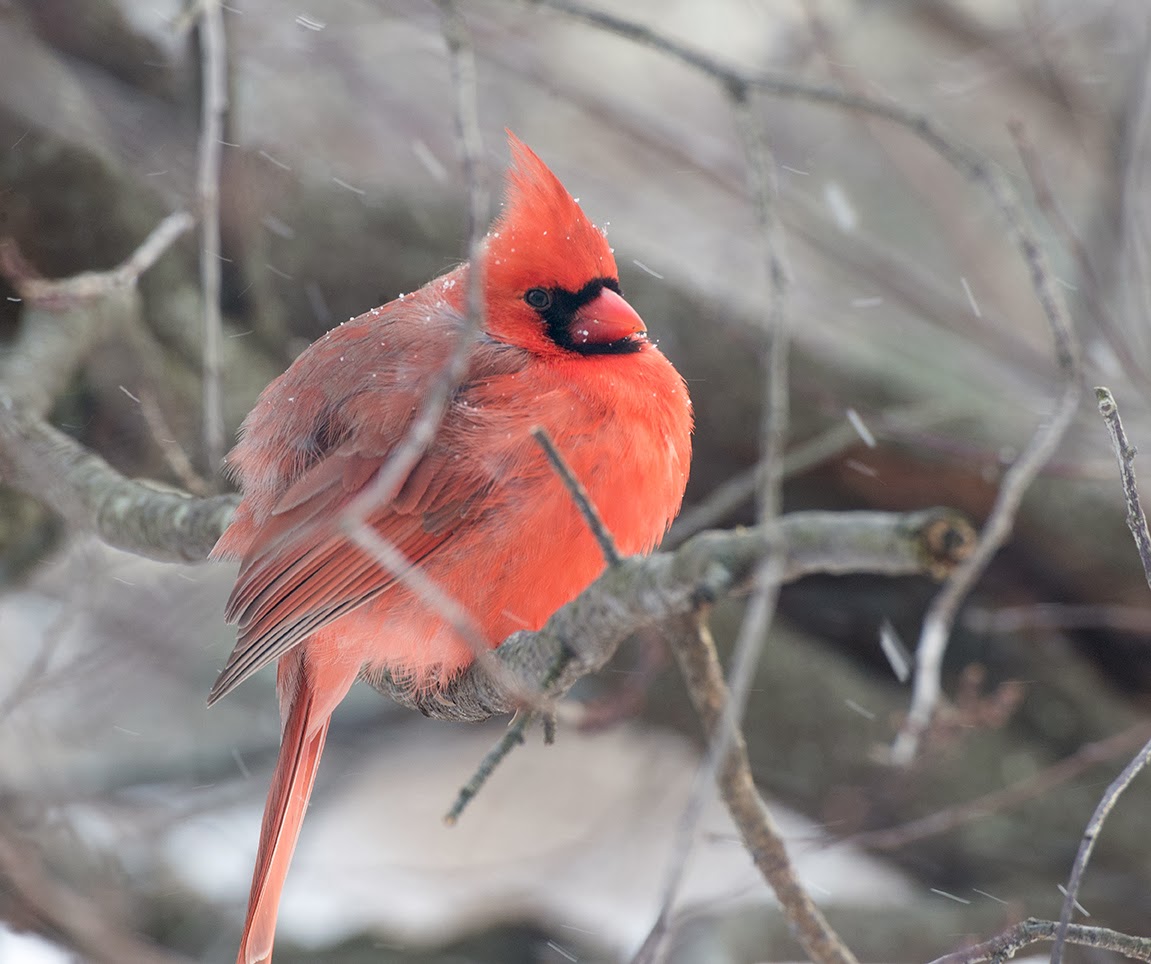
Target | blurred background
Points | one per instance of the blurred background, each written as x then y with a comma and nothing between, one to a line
129,812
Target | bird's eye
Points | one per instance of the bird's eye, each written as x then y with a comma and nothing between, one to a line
538,298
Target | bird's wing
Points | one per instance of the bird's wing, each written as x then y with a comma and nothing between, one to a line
301,570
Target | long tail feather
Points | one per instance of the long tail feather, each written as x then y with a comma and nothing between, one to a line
301,744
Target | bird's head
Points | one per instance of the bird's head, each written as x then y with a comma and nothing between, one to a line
550,279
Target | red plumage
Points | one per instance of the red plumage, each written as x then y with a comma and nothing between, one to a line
482,501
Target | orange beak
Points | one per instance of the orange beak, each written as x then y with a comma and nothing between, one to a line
609,323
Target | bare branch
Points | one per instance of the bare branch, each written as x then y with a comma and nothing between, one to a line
699,662
1111,616
940,617
1096,298
79,485
1125,453
1137,522
1032,931
1017,480
173,453
214,105
92,284
740,488
1032,788
62,320
646,590
513,737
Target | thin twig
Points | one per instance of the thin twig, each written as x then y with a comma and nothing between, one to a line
36,672
742,487
406,455
1115,617
1137,523
513,737
1032,931
1095,300
172,451
764,191
579,496
435,403
1125,453
940,617
214,105
1032,788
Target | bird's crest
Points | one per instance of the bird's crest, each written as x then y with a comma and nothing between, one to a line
542,237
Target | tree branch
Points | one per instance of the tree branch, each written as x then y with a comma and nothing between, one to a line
695,651
645,590
1032,931
63,319
76,483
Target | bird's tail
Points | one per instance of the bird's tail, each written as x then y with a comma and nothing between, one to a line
306,710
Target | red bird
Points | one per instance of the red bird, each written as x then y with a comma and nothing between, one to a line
482,513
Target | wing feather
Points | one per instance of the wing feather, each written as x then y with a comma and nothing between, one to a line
316,438
301,572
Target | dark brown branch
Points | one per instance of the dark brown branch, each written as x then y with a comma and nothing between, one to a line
1032,931
724,731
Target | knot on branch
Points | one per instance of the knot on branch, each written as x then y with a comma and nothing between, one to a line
946,539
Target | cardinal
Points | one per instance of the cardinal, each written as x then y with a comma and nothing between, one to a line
482,513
